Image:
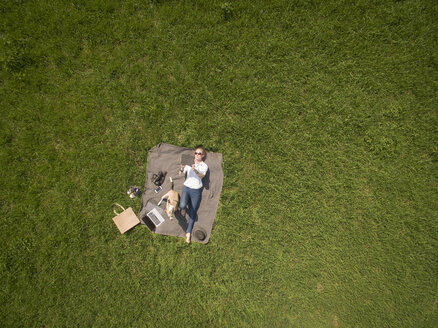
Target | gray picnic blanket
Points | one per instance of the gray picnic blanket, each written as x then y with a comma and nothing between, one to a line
164,157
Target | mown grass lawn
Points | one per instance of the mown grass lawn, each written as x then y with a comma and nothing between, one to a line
325,113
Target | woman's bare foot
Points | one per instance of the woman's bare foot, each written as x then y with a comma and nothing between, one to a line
187,238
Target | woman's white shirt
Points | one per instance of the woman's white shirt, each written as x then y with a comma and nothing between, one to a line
192,180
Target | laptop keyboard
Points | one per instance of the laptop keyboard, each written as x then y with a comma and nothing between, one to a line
156,218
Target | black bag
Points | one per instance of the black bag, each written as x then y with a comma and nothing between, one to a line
158,179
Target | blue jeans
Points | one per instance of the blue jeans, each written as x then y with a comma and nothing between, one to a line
191,197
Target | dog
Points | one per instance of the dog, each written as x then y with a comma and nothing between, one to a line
172,201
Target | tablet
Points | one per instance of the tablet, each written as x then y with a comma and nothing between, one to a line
187,160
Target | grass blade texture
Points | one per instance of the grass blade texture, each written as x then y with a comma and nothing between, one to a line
325,113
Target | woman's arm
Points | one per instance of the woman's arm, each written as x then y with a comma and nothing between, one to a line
199,174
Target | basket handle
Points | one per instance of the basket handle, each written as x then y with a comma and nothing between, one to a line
115,209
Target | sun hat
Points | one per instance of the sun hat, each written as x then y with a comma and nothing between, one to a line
200,234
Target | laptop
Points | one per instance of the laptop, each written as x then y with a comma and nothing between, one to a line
153,219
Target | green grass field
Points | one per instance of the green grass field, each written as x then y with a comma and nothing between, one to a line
325,113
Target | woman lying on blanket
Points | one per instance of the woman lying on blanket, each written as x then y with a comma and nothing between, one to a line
192,189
